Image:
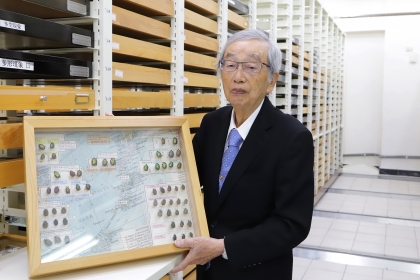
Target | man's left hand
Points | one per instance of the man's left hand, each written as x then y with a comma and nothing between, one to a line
202,250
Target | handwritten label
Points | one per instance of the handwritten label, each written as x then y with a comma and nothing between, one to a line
107,155
16,64
67,145
12,25
122,202
124,177
98,139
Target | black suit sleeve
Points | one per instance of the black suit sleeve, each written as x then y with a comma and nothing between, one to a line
289,223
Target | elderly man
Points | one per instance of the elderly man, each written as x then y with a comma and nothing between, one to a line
255,165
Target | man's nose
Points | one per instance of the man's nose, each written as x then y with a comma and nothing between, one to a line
239,74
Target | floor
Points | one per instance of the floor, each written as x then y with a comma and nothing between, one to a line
364,227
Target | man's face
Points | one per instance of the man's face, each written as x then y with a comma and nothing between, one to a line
246,91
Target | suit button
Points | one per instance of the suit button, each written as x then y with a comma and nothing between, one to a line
214,224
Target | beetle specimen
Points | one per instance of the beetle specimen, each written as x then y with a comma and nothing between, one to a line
56,189
162,190
155,203
173,225
175,140
55,222
163,202
67,190
162,141
168,213
72,173
79,173
41,147
77,187
45,224
54,211
154,191
53,156
48,190
160,213
158,154
164,165
157,166
57,239
52,145
63,210
171,153
57,174
42,157
66,239
104,162
65,221
112,161
45,212
185,211
94,162
178,152
145,167
176,212
181,224
87,187
47,242
189,223
179,165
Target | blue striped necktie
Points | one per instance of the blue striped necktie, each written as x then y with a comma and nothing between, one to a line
234,141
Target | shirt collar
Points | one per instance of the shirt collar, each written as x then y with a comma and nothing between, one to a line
246,126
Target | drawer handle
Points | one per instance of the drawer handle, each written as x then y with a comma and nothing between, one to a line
43,98
82,96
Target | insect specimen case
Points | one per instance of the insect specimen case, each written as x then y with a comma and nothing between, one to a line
103,190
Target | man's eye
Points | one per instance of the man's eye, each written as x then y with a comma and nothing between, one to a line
230,65
251,66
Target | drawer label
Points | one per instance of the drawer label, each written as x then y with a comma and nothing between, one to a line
79,71
12,25
76,7
16,64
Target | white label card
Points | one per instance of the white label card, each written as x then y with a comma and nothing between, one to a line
115,45
12,25
16,64
119,73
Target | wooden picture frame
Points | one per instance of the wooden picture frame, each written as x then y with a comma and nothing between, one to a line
92,201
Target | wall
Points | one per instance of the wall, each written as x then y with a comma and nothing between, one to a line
364,88
400,80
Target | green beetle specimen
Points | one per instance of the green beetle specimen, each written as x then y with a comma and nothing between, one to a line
52,145
164,165
158,154
175,140
179,165
171,164
42,157
41,147
79,173
112,161
157,166
77,187
145,167
57,174
94,162
104,162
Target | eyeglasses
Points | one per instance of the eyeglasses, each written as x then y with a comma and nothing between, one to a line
247,67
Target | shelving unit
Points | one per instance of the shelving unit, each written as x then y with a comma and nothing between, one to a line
142,57
309,86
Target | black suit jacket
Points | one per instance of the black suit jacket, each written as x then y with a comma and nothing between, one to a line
265,206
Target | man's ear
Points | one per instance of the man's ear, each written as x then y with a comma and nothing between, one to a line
272,83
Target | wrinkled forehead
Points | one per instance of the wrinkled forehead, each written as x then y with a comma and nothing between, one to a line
247,50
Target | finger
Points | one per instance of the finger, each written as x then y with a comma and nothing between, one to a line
184,243
182,265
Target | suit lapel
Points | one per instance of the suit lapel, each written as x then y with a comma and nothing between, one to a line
251,147
216,158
